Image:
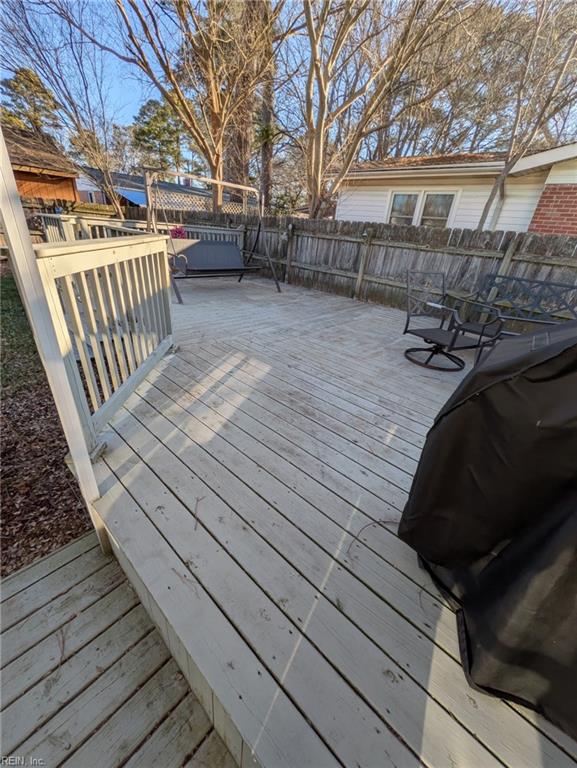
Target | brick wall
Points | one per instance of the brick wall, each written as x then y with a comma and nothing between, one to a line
556,212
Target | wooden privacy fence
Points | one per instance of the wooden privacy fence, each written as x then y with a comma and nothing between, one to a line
363,260
110,306
369,261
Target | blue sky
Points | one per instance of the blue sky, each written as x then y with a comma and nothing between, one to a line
127,92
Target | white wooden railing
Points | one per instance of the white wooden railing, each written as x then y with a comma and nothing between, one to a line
109,300
60,227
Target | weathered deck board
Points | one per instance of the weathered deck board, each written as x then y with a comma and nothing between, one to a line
87,680
254,483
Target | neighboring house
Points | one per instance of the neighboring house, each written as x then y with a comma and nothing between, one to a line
451,191
40,168
132,192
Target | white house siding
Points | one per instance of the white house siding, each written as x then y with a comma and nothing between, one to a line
371,203
563,173
363,204
522,196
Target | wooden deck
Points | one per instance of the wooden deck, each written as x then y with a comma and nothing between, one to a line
251,489
86,678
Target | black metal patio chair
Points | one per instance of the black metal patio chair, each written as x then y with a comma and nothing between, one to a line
467,325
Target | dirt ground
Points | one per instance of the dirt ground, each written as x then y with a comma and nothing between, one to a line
41,506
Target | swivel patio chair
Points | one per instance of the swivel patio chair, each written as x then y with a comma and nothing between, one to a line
468,325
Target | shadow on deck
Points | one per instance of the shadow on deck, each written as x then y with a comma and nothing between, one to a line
251,489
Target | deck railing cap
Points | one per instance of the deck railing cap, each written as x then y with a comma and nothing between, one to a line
47,250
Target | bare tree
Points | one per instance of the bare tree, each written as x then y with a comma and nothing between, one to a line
73,72
542,75
360,57
200,55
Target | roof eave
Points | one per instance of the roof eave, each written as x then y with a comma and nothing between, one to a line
459,169
44,171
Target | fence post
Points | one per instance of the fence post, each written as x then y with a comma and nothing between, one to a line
31,290
509,253
289,245
364,252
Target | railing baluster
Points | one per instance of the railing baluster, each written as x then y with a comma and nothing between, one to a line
136,287
164,293
93,334
76,326
155,287
114,323
116,279
104,327
145,293
132,309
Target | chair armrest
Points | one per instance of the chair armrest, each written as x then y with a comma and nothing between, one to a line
436,305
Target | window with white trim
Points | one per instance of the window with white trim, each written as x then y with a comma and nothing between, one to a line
436,209
403,208
424,208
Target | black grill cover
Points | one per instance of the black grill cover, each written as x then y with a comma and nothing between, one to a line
493,515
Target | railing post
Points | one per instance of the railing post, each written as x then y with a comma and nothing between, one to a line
68,228
31,289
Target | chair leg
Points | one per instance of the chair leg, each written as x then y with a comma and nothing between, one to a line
454,363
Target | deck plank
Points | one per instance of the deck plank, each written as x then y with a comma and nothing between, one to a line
283,646
47,655
91,681
56,612
435,672
263,712
176,738
211,752
25,715
113,742
25,577
22,604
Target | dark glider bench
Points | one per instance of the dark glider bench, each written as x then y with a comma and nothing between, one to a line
209,258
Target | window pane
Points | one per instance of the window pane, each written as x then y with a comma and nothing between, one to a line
403,209
436,210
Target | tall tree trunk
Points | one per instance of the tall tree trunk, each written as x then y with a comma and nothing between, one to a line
110,192
266,150
267,108
217,173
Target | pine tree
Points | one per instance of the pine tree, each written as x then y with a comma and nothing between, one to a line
28,104
157,133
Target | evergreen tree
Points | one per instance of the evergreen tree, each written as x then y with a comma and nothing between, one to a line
28,104
157,134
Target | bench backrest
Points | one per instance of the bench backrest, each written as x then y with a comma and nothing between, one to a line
519,298
213,256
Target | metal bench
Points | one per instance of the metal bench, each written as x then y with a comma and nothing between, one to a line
520,300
